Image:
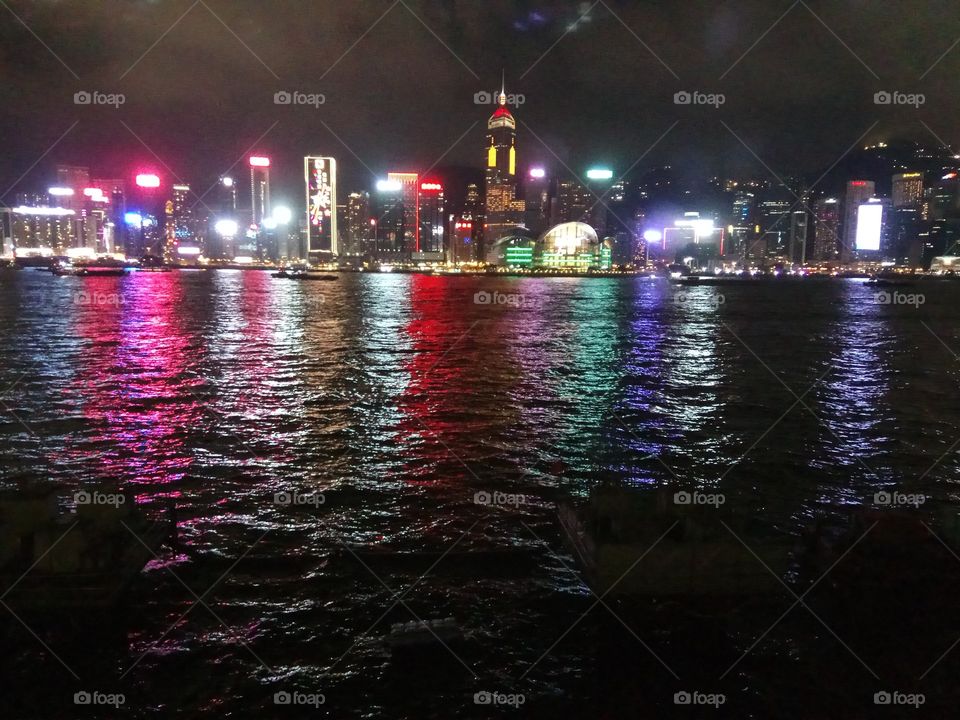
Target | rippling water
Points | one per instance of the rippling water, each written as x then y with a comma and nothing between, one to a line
399,397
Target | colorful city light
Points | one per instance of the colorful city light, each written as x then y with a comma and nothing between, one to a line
148,180
43,211
599,174
227,181
259,161
282,214
431,186
538,172
389,186
60,191
226,228
132,218
652,236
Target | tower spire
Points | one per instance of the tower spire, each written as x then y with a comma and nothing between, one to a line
503,87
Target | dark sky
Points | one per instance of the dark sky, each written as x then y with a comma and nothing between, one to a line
400,78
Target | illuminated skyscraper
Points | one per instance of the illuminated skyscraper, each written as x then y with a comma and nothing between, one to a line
409,240
907,189
259,189
503,209
430,216
826,229
320,178
572,203
536,196
358,224
858,192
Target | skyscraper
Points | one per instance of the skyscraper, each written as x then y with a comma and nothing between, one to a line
907,189
572,203
826,229
503,209
536,197
409,240
320,178
358,224
858,192
430,216
259,189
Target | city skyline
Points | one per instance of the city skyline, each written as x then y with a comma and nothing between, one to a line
856,54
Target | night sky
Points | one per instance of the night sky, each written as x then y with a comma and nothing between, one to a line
399,81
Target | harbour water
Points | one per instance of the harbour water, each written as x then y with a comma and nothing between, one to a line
291,422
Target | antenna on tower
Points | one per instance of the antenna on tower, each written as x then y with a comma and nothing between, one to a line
503,87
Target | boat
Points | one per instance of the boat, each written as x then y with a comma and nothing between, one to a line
890,282
644,543
63,548
303,274
95,271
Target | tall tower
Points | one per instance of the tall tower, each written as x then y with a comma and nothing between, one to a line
409,183
259,189
503,210
858,192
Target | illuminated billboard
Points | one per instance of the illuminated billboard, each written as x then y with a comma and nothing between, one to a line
320,175
869,224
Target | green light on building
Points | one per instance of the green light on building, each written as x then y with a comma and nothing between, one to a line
519,256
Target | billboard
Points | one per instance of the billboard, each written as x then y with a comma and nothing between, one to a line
869,224
320,176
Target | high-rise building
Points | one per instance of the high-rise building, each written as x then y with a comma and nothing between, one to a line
536,198
773,216
460,248
181,231
430,216
409,183
858,192
572,203
358,228
826,229
320,179
799,223
259,189
503,209
115,236
473,214
907,189
741,225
